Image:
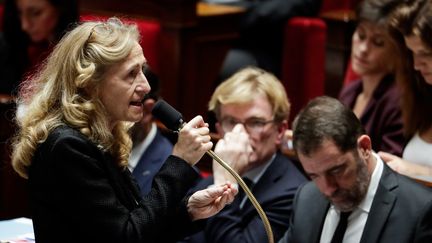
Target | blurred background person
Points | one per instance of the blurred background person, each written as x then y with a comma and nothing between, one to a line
377,60
252,110
414,21
261,33
30,30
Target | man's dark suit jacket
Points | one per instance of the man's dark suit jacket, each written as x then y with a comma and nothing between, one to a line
79,194
401,212
151,161
274,191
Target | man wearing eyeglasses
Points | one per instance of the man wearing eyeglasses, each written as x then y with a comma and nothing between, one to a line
252,109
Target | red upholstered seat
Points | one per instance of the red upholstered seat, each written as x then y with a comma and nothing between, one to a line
303,63
150,32
350,75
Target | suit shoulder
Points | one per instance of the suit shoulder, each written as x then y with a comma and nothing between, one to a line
290,168
63,137
414,189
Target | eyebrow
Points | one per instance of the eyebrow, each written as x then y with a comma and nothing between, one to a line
335,167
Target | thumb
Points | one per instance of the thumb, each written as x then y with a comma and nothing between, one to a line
216,191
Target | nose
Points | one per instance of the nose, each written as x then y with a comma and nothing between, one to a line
363,46
327,185
25,23
418,62
142,84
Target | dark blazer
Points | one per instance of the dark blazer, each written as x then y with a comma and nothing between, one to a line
401,212
382,117
151,161
274,191
79,194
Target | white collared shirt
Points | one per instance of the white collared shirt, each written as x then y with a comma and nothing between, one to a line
140,148
357,219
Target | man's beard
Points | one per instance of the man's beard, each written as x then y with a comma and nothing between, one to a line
354,195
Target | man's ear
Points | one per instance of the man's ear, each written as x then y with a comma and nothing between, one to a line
364,146
148,105
282,127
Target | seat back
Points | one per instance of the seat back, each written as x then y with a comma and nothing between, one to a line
303,61
350,75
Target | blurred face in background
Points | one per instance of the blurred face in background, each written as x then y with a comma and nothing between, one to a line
422,55
257,118
38,18
373,51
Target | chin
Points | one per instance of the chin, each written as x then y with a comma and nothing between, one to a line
428,79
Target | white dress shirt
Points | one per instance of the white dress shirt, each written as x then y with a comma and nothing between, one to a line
139,149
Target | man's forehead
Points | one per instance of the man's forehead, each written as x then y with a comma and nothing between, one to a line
326,156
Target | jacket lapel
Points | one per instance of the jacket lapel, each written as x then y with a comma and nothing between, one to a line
381,207
321,207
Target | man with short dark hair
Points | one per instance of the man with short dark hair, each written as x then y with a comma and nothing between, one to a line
353,194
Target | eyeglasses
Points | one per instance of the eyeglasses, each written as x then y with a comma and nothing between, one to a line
252,125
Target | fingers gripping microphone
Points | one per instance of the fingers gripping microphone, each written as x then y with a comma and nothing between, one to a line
173,120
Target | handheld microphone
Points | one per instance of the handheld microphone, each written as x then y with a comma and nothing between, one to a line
173,120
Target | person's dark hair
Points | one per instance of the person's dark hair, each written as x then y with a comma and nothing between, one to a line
415,19
326,118
154,83
376,11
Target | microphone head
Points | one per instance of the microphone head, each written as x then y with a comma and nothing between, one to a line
169,116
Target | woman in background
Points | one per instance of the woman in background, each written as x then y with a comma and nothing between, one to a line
414,21
376,58
30,29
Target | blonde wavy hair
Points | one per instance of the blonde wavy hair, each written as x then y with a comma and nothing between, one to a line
245,85
66,91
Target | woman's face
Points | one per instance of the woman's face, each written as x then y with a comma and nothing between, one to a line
123,88
38,18
422,55
373,51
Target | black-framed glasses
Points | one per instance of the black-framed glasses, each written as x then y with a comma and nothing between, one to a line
252,125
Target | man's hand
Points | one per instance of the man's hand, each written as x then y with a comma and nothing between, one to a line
235,149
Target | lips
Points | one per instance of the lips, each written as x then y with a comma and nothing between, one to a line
136,103
360,61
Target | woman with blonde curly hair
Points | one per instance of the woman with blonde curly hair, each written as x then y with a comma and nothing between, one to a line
73,147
